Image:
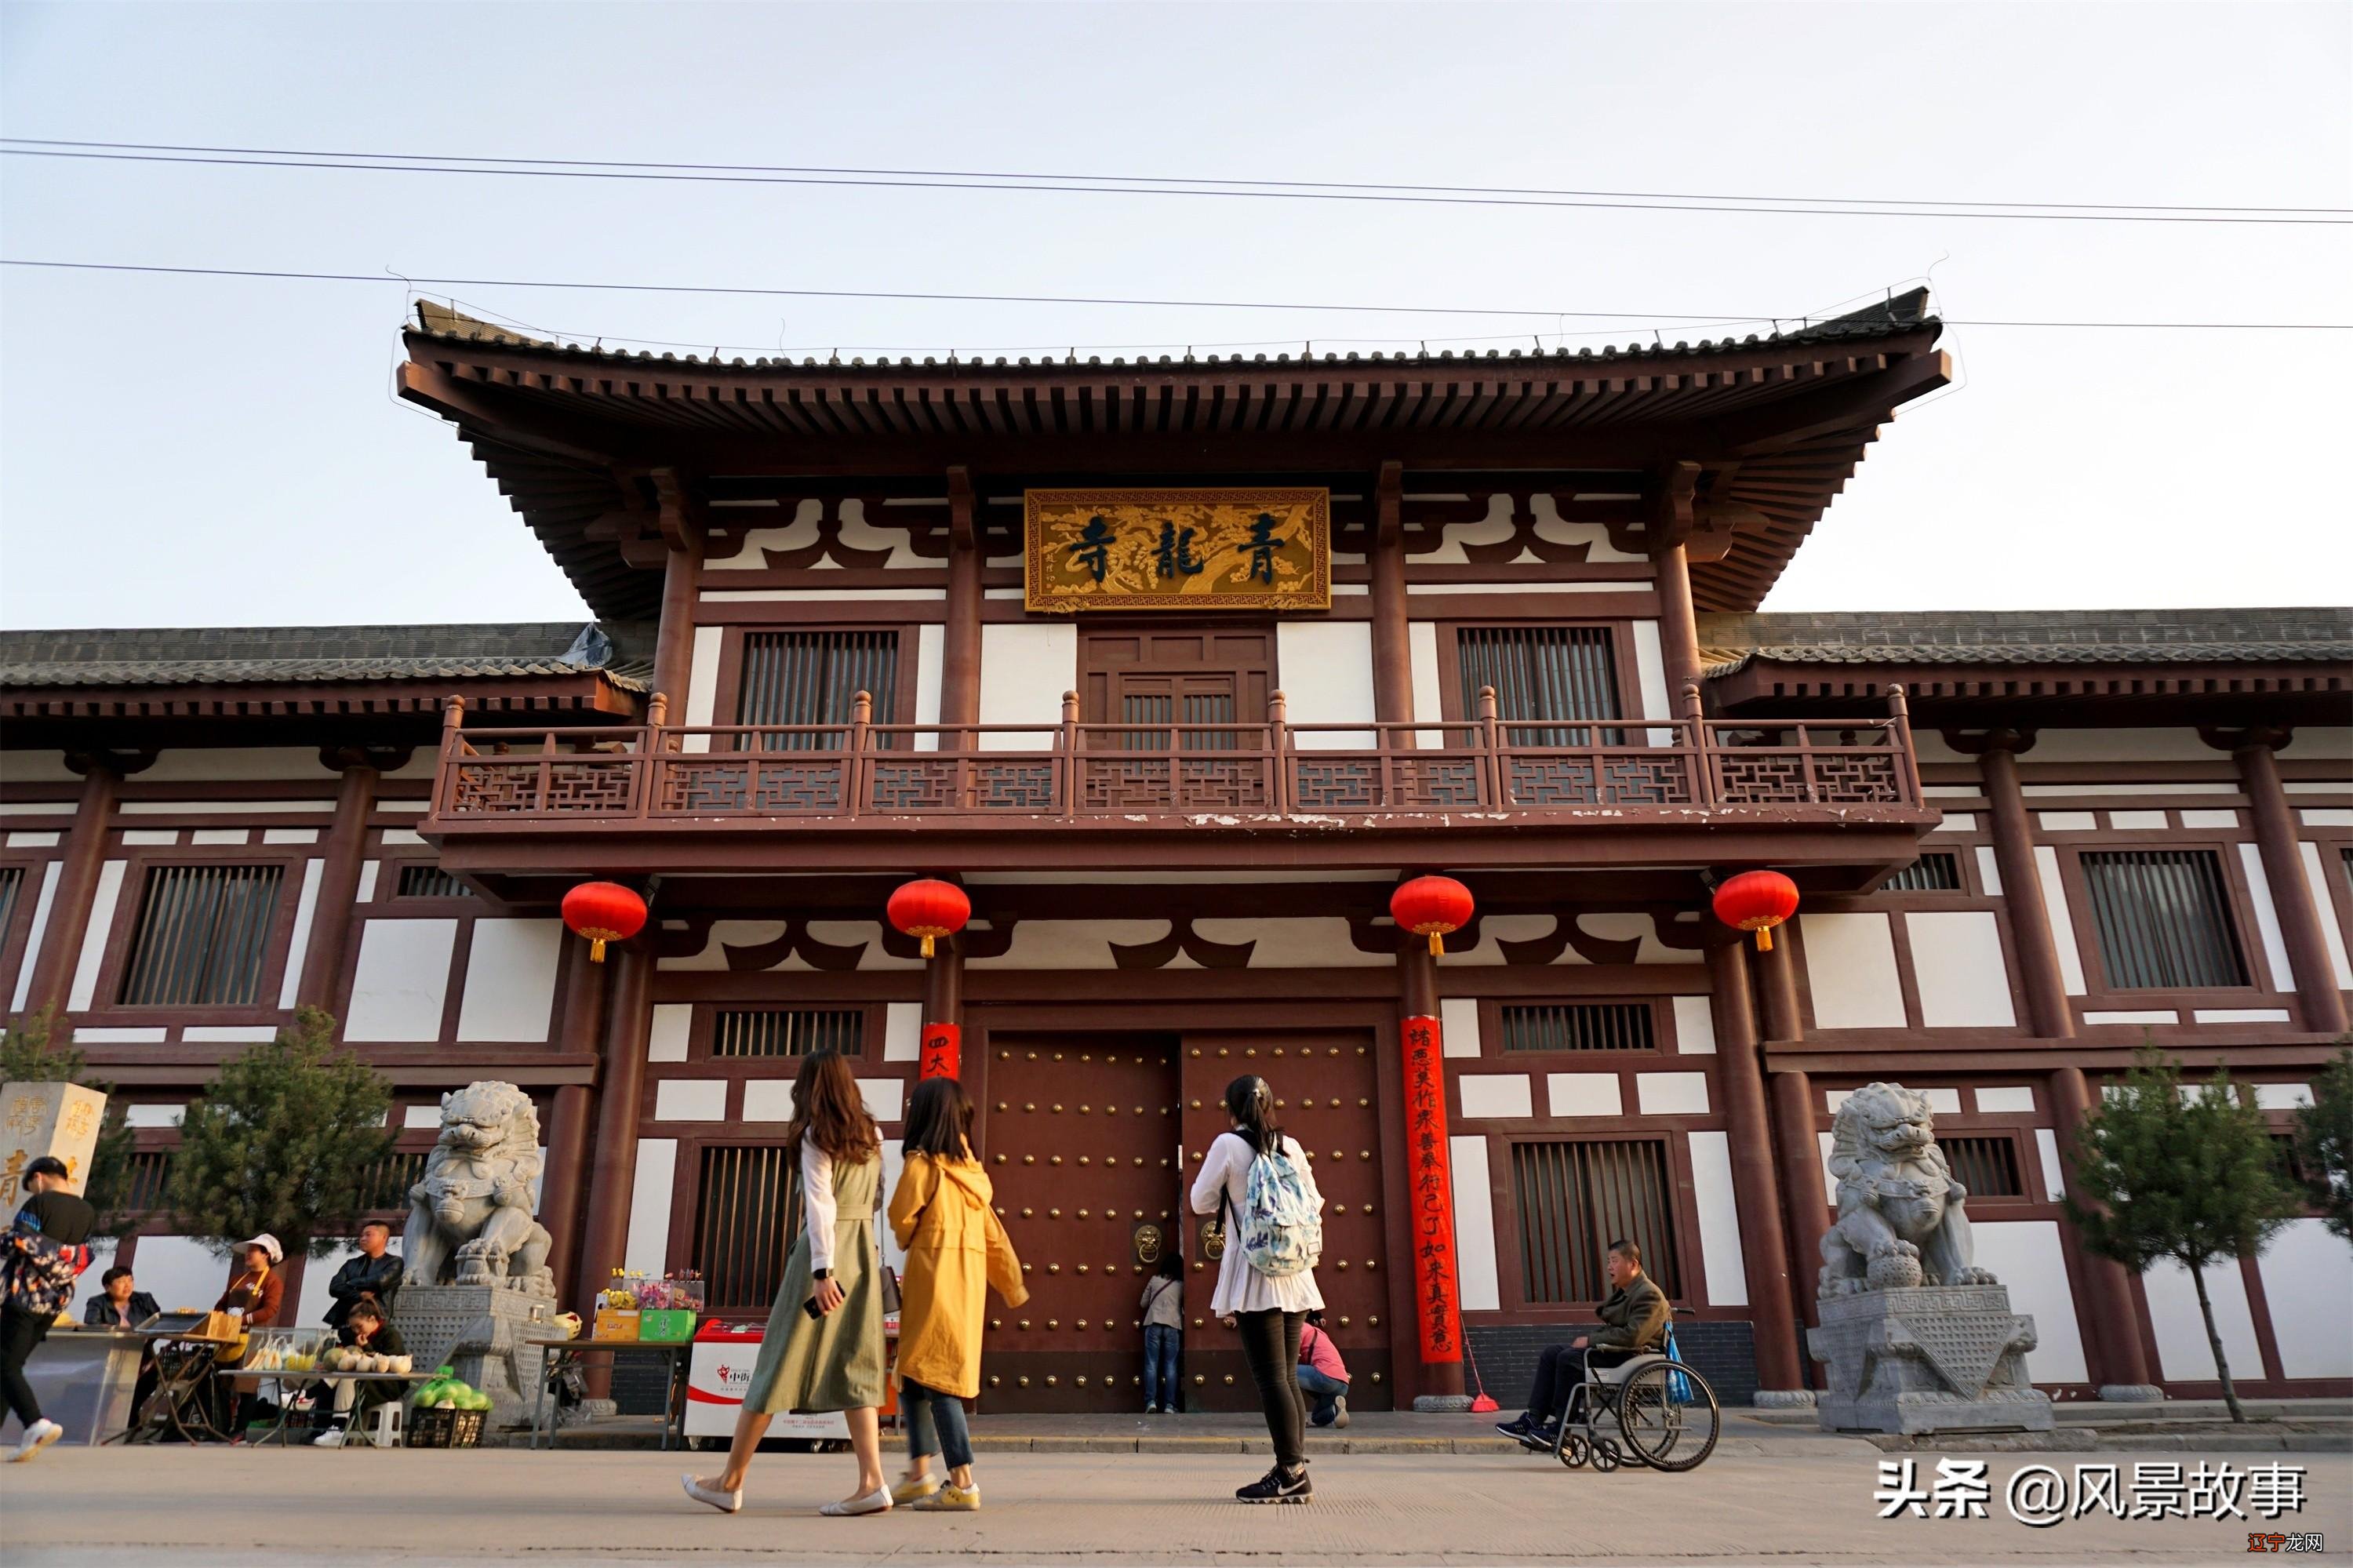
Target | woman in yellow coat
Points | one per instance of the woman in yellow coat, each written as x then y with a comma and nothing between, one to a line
956,1250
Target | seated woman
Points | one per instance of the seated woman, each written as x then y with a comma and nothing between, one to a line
371,1334
119,1304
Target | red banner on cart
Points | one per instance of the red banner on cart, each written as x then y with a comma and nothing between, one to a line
1437,1302
943,1052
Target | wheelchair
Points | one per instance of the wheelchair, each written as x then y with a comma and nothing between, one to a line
1665,1413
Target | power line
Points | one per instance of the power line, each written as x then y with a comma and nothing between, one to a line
519,171
1156,179
1713,318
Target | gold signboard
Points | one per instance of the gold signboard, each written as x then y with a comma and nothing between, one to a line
1178,549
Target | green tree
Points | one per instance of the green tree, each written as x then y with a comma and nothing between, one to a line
2194,1179
286,1139
30,1052
2324,1144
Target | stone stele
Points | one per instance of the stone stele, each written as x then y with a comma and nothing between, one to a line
1915,1336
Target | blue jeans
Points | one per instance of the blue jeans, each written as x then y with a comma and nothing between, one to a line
935,1424
1325,1390
1160,1386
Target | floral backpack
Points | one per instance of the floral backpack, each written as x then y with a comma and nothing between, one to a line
1281,1229
38,1275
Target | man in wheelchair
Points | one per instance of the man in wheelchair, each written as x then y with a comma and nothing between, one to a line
1634,1317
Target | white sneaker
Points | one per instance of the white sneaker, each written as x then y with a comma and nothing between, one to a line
876,1501
725,1502
332,1437
37,1436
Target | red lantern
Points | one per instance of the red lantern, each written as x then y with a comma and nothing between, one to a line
930,910
1432,907
1757,901
604,912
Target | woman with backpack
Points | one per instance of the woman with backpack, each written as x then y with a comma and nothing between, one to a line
956,1250
823,1347
1258,1181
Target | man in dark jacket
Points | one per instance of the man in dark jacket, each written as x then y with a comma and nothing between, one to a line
120,1303
375,1272
1634,1317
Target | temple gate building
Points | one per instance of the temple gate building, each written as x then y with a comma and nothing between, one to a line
1177,669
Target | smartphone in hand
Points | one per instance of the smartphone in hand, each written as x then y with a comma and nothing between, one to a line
811,1307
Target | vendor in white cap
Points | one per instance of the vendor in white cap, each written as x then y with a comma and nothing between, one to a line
255,1294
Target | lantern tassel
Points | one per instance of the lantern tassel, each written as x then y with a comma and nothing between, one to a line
1764,938
1437,944
596,950
927,947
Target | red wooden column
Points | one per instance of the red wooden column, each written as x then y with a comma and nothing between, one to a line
2047,1009
1678,623
1757,1187
2292,894
580,1032
2122,1369
86,844
1802,1188
941,1054
1429,1185
1392,639
960,651
613,1167
339,878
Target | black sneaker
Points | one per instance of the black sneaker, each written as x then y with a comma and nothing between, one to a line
1519,1428
1274,1487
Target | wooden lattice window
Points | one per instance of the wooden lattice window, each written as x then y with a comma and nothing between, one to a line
789,1032
1988,1167
202,936
745,1215
150,1179
1580,1026
2163,919
1935,872
12,879
389,1183
814,678
419,880
2290,1159
1575,1199
1542,675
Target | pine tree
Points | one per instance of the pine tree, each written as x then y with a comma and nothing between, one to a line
31,1053
2192,1178
2324,1144
289,1138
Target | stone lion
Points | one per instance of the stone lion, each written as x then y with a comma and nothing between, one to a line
1901,1220
471,1215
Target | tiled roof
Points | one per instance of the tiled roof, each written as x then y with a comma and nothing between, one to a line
313,654
1898,314
1729,642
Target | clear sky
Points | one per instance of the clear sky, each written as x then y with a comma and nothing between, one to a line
210,452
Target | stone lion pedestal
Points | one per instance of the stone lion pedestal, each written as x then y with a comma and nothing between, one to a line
478,1332
1927,1358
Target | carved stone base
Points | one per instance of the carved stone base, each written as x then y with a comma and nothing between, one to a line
1936,1358
1784,1399
477,1332
1441,1402
2132,1394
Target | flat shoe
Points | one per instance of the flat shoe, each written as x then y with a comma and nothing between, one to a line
876,1501
725,1502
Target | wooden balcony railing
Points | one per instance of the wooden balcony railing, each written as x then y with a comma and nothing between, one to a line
1210,774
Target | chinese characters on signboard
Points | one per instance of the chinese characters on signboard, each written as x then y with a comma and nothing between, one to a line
1178,549
1436,1300
942,1053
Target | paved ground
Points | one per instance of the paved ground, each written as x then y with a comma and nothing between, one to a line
1783,1503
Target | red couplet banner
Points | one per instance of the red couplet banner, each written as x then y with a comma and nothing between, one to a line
1436,1300
943,1051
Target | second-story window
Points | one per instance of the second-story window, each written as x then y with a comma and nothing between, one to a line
2163,919
1542,675
202,936
1936,870
814,678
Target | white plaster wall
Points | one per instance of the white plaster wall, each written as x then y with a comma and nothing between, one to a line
306,910
1325,671
1851,967
1719,1220
701,696
666,1036
2062,922
2055,1172
1474,1226
797,533
931,666
649,1194
1081,944
690,1099
1429,696
1290,944
2026,1255
2320,743
1651,679
1457,1024
1024,671
1694,1026
41,903
2182,1352
1672,1094
2267,925
771,1099
402,980
94,941
1584,1094
2331,930
903,1031
2308,1279
1956,960
1495,1095
511,980
1551,527
885,1099
179,1271
36,768
1493,529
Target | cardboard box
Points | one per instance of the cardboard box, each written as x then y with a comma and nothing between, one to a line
612,1324
668,1326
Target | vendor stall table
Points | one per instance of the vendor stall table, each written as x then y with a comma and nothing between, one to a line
84,1378
287,1386
674,1390
184,1367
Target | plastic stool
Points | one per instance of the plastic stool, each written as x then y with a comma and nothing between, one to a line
384,1425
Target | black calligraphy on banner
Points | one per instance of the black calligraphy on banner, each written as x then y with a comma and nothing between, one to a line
1436,1294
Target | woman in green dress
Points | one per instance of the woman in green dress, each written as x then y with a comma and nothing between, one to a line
823,1349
